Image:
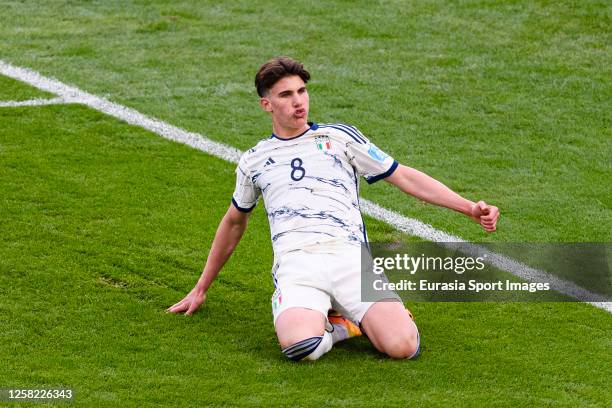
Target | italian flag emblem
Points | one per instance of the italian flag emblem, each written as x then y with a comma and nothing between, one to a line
323,143
277,299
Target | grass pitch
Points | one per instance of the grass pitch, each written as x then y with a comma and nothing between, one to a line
104,225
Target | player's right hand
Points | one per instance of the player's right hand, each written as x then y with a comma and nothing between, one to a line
190,303
486,215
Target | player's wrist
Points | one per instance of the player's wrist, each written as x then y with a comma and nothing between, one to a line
200,288
467,208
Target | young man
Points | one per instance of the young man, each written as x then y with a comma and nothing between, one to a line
308,176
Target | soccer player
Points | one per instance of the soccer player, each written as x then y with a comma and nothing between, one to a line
308,174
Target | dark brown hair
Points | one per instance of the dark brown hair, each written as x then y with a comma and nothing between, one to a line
276,69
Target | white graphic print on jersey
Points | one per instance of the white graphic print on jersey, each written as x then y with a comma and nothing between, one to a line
310,186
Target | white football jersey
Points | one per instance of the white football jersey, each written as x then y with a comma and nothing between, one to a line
310,186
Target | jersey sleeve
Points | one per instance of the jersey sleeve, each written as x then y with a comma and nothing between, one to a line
370,162
247,193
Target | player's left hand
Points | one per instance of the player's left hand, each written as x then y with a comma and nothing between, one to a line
486,215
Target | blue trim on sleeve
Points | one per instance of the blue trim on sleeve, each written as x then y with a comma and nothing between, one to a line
241,209
385,174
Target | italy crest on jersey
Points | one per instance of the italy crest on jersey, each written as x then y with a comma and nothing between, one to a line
323,143
277,299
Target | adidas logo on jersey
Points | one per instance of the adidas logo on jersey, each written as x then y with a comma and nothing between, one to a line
269,161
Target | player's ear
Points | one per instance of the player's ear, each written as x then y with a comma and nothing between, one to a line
265,104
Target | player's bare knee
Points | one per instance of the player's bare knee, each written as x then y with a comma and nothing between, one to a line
297,324
402,347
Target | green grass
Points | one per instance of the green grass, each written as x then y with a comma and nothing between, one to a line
104,225
12,90
102,234
503,102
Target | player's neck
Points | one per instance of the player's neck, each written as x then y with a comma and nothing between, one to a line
287,133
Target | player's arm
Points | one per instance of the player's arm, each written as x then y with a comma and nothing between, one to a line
230,231
428,189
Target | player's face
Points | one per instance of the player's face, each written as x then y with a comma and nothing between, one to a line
288,103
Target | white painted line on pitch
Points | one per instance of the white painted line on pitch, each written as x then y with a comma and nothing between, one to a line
74,95
32,102
405,224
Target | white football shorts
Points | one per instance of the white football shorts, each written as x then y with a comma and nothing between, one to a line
322,281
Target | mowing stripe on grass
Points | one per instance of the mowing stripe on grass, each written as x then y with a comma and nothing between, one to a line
32,102
71,94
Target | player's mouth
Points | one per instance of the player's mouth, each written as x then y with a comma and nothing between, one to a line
300,113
